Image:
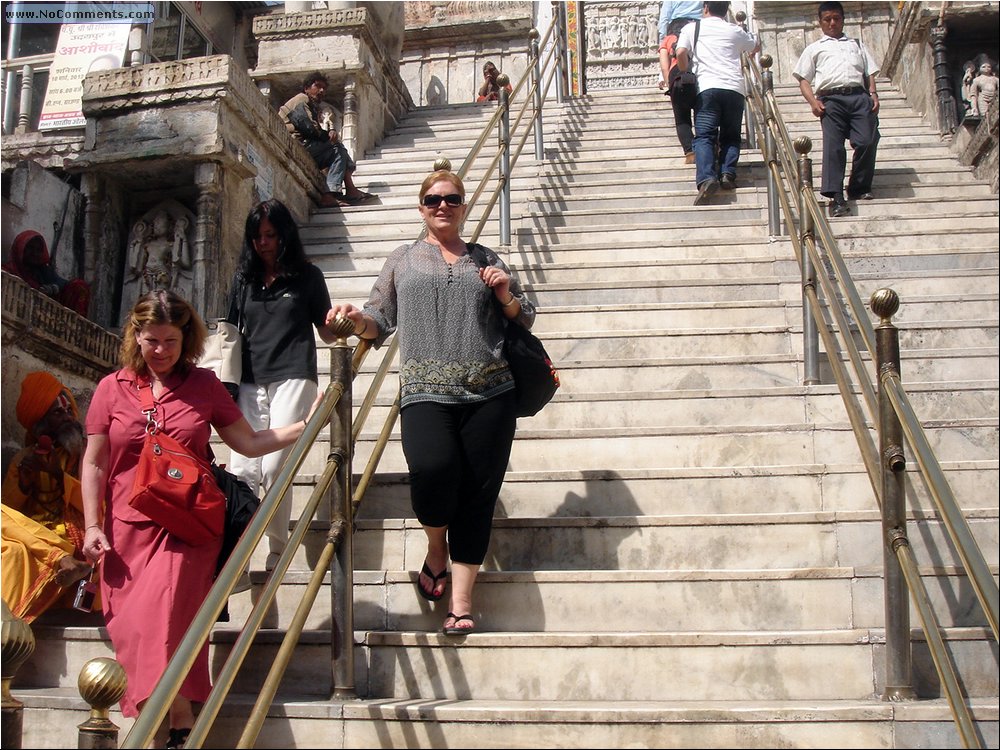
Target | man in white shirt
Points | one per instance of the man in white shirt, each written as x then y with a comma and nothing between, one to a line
718,118
836,75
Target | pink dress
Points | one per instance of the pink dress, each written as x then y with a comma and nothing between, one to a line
152,584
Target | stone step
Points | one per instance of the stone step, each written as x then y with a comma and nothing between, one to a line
687,491
724,372
735,446
305,721
791,599
368,255
623,666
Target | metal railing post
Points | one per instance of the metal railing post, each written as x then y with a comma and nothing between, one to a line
898,659
342,517
810,337
537,75
770,150
18,643
102,684
504,142
559,39
748,124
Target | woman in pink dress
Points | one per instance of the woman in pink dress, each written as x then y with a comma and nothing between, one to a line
152,583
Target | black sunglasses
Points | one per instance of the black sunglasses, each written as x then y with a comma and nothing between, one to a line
433,201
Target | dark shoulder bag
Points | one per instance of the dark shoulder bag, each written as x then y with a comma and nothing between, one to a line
535,379
683,85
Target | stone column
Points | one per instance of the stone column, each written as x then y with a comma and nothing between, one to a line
98,268
207,292
350,134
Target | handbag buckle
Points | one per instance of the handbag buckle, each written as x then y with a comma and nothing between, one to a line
175,473
151,424
157,449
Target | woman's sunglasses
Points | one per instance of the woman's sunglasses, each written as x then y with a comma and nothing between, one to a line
433,201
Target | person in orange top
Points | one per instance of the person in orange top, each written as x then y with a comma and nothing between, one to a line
42,554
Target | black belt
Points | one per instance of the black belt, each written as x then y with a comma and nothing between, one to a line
842,91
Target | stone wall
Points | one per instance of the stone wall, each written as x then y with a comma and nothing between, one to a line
198,132
447,43
38,333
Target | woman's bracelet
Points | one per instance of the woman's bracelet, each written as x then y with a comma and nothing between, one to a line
93,526
363,331
509,302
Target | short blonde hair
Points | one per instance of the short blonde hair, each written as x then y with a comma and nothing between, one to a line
162,307
441,175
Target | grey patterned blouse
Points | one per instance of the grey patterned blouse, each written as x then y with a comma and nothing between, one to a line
450,325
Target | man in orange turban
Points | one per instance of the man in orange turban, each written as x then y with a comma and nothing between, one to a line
42,504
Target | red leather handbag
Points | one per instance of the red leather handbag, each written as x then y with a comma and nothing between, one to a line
174,487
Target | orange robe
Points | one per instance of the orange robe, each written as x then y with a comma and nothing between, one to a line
37,535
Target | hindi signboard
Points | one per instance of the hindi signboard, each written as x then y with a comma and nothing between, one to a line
81,49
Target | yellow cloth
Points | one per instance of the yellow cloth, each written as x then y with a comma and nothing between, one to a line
29,559
35,538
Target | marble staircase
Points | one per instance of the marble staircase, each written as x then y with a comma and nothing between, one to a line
687,548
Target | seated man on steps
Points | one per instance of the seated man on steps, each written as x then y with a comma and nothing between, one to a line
42,502
308,119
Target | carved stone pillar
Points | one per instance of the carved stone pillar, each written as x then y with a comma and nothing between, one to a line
350,134
97,266
207,288
946,106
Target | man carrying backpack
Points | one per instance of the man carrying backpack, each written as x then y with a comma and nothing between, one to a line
715,59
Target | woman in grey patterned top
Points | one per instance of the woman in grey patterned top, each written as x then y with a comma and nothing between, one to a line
457,394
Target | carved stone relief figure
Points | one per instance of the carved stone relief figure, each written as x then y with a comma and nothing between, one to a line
968,73
983,89
159,252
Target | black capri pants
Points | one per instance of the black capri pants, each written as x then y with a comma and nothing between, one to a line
457,456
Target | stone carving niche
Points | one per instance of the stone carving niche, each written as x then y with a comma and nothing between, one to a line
160,252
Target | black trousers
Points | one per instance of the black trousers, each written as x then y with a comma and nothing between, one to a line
457,456
848,117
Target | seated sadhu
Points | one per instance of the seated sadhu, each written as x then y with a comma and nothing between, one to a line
42,506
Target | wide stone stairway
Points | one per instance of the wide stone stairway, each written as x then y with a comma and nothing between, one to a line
687,550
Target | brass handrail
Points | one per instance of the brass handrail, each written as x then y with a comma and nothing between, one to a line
338,461
810,219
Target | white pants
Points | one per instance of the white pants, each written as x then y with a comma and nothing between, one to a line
266,406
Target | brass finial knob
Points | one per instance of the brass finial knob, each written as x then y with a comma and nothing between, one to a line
884,303
740,16
766,61
442,163
533,34
802,145
102,684
18,644
503,79
342,327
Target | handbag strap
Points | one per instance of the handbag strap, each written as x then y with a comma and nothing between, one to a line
148,406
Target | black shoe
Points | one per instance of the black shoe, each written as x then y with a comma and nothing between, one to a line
177,738
838,208
706,190
728,182
861,196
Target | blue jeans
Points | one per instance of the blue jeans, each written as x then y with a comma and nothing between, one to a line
718,126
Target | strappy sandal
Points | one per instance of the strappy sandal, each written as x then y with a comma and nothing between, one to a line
453,629
430,595
357,200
